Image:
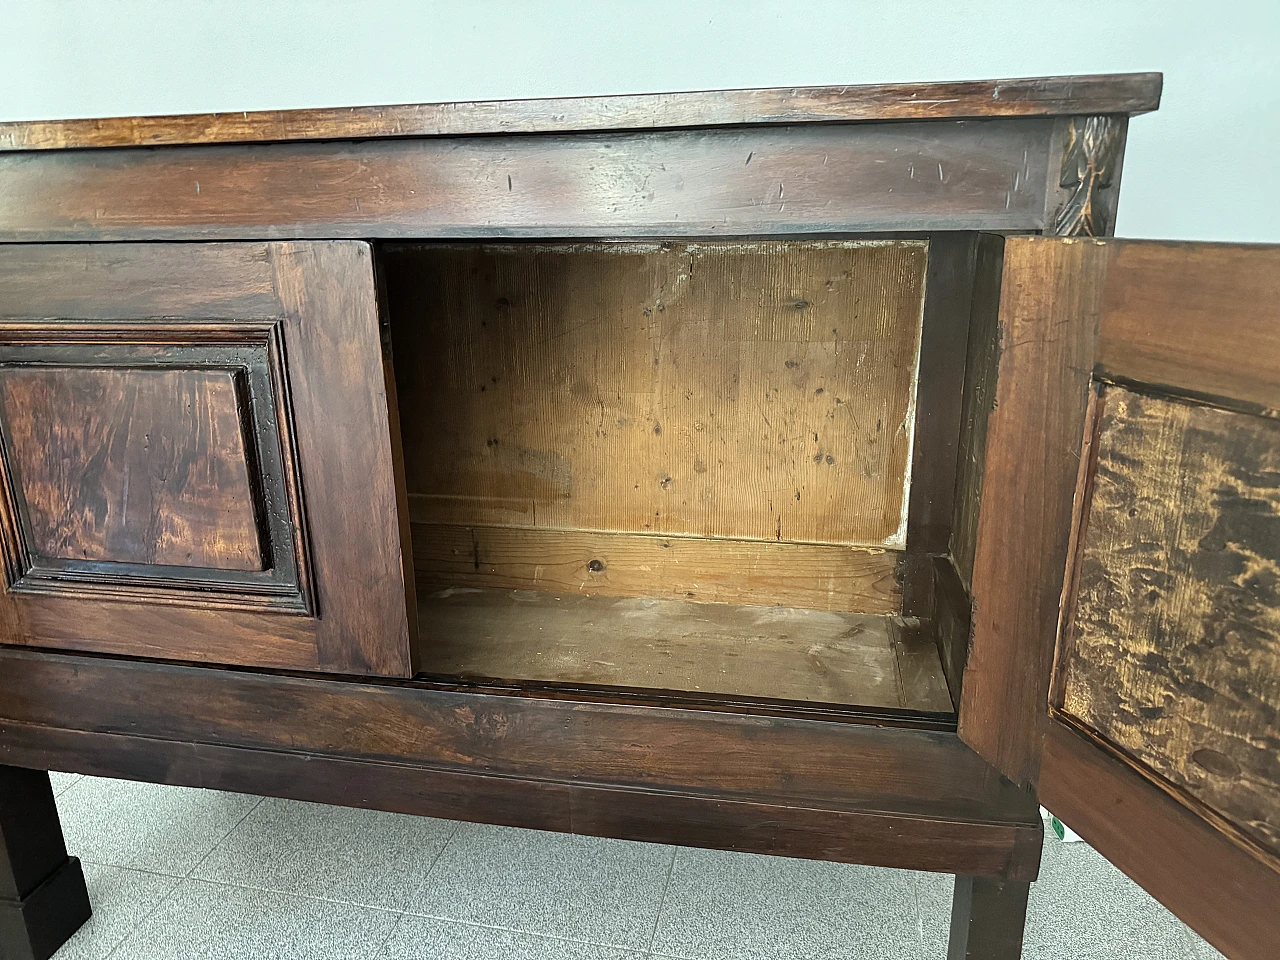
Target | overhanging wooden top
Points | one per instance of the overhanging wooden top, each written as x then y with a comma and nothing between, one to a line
1127,93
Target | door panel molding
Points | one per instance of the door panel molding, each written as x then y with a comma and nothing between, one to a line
195,442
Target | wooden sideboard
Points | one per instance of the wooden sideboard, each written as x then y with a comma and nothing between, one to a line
790,471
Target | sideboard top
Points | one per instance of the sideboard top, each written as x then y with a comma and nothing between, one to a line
1126,93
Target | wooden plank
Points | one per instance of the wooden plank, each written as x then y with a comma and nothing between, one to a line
921,675
1226,893
875,765
816,576
740,390
952,175
951,623
1050,301
776,825
982,357
778,653
1043,96
1174,648
139,466
128,282
1201,317
948,298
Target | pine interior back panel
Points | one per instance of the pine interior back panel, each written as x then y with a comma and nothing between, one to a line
731,391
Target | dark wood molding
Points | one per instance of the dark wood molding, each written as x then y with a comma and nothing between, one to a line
513,737
1225,892
817,179
1043,96
776,825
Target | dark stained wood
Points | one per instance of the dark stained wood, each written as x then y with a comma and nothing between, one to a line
854,766
1226,893
43,899
901,176
310,352
339,404
1173,652
779,825
952,623
948,299
770,652
1203,318
737,390
987,918
1050,301
982,356
1043,96
145,473
141,466
810,575
1089,186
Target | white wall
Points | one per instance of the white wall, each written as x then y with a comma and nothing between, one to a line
1203,167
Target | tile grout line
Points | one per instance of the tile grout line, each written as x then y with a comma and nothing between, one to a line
662,900
381,947
178,881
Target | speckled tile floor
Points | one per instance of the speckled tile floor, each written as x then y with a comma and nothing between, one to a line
181,873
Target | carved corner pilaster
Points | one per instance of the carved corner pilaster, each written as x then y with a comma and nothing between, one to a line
1092,149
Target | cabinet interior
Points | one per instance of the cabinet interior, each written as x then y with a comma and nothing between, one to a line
676,466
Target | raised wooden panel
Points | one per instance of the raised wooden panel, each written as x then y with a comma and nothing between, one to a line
182,429
155,461
738,390
141,466
1174,649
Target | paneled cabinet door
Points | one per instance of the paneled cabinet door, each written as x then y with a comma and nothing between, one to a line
197,458
1126,637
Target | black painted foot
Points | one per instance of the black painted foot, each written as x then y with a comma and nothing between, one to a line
987,919
43,899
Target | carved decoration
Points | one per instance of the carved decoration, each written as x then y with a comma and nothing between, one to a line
1088,168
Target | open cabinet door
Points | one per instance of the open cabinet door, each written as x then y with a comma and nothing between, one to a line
1125,654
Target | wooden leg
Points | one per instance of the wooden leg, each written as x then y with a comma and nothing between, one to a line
43,899
987,917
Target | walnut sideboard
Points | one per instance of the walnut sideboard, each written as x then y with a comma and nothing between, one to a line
792,471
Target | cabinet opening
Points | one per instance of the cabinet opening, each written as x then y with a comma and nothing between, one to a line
680,466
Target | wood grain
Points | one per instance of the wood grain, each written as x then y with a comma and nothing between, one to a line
928,780
1174,649
1226,893
741,390
139,466
950,175
1050,301
778,653
311,344
816,576
1200,317
1042,96
778,825
982,358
